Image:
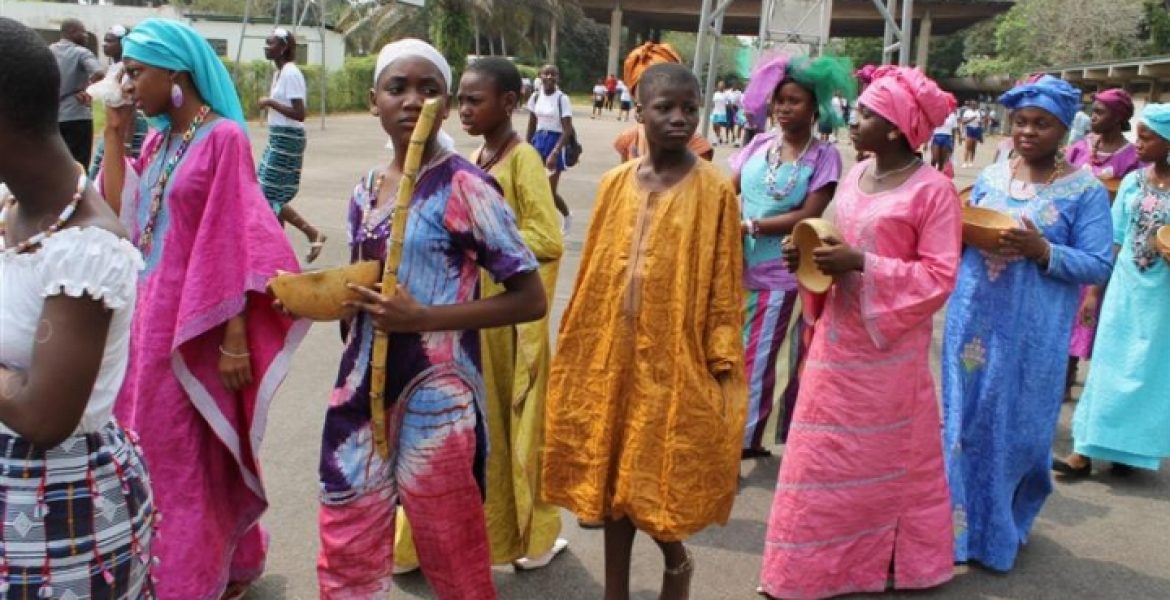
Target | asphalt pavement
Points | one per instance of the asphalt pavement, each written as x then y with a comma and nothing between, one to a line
1105,537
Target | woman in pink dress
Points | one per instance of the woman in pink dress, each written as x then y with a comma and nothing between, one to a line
861,502
1109,155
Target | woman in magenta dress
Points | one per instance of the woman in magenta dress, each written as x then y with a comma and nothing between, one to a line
1108,155
208,351
861,500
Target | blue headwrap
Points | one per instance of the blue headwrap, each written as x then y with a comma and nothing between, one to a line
173,45
1048,93
1157,118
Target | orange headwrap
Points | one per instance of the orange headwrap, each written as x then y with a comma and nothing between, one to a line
643,57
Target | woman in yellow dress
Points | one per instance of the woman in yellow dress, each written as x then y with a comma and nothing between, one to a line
521,529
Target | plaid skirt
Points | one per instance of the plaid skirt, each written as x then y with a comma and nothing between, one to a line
78,518
280,166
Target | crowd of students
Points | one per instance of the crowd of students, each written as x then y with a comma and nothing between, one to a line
138,330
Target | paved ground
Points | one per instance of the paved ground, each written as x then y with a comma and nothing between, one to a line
1103,538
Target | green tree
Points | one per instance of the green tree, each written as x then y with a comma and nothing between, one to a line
1155,27
860,50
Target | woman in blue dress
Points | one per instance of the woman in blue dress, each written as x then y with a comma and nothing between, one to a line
1009,323
1124,414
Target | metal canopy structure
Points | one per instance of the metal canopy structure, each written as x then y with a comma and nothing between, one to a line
788,22
803,23
297,23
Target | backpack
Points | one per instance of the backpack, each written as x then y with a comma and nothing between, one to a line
572,148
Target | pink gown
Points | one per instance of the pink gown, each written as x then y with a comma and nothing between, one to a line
862,483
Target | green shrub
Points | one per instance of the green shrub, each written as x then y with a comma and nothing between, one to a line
346,90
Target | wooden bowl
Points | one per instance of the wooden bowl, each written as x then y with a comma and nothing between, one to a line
1111,185
808,235
983,226
1162,241
318,295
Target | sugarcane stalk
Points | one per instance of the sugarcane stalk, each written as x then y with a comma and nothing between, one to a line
410,168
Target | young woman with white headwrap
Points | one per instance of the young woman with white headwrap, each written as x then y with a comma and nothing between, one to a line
457,223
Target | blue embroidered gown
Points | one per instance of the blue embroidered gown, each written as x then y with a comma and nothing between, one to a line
1005,356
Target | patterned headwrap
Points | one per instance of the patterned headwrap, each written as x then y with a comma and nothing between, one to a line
173,45
910,100
1048,93
822,77
1118,102
1157,118
645,56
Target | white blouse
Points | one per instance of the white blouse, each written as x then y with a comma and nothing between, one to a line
74,261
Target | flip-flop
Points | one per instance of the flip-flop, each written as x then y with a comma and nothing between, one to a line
315,247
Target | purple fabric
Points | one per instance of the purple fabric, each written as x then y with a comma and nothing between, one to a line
1118,101
762,85
822,157
1109,166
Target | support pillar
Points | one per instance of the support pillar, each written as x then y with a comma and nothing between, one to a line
615,40
924,27
889,36
712,74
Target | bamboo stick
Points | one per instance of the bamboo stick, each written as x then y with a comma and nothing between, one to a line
414,155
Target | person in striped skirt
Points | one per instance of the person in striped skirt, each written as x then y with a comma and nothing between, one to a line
280,167
783,177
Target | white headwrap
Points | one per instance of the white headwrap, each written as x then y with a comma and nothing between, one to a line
411,47
281,33
118,31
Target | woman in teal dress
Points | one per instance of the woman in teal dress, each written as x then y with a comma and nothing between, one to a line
1124,414
1009,324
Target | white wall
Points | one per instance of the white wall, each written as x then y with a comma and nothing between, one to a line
98,19
254,43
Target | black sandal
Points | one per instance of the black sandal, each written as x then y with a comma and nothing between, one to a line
1061,467
753,453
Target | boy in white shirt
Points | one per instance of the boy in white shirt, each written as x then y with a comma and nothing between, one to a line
627,100
599,92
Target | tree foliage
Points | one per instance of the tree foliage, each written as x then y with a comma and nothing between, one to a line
728,52
1044,33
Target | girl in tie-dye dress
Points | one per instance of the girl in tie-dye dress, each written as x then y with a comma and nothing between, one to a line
457,223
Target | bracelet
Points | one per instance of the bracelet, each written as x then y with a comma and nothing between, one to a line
754,228
1046,258
233,355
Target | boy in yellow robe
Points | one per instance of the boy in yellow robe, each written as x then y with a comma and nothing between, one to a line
647,397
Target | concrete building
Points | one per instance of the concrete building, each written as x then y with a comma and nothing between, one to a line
224,33
848,18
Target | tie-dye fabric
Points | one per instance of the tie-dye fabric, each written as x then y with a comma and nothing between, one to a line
458,222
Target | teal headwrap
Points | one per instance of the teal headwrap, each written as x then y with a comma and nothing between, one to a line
1157,118
173,45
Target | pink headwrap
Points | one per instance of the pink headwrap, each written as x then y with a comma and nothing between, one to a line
1119,102
865,74
910,100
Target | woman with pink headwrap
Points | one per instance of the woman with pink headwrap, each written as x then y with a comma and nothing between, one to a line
861,502
1108,155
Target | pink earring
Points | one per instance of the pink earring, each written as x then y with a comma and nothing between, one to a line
176,95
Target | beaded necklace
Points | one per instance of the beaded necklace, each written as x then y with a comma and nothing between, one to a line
493,160
146,239
775,161
66,214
